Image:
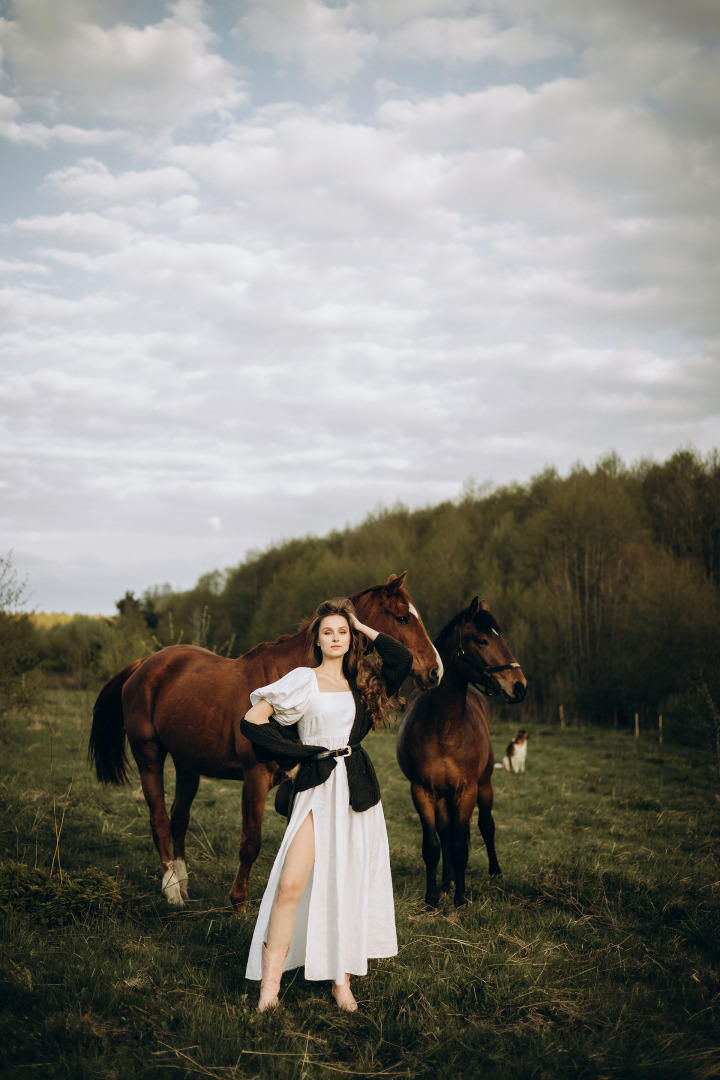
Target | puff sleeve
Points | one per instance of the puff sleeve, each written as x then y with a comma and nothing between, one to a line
290,696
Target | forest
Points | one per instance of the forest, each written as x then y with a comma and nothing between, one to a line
606,581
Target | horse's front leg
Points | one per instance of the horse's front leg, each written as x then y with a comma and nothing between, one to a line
444,829
256,785
425,805
150,757
186,785
486,825
460,844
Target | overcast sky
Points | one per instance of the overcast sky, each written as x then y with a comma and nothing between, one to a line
268,266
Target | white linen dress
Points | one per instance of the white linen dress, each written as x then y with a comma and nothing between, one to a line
347,912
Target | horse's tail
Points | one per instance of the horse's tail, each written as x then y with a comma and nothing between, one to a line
107,735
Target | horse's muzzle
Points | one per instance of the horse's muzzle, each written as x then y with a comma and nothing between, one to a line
518,693
514,694
429,682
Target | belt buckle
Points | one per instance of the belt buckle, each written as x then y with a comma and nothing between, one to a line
345,752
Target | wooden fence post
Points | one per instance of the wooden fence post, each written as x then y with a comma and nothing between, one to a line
637,729
562,717
660,729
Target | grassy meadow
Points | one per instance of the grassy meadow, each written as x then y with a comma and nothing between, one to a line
595,955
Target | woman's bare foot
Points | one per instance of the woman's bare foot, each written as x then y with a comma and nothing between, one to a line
344,996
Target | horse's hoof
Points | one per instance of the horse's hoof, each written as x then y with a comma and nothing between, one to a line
431,904
171,888
182,876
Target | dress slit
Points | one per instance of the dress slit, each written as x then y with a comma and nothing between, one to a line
301,919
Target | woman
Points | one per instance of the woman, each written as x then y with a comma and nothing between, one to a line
329,902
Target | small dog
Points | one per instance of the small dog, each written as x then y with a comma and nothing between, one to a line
514,760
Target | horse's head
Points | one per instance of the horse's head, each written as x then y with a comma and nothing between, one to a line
482,651
389,609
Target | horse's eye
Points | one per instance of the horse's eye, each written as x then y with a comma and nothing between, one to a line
483,642
400,618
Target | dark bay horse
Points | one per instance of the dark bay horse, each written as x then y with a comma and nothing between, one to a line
188,702
443,744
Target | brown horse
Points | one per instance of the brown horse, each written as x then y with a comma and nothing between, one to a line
188,702
443,744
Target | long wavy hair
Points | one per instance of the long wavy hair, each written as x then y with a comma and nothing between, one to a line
357,669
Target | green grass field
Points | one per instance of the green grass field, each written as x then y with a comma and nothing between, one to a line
596,954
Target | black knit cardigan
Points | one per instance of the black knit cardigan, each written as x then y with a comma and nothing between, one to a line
281,743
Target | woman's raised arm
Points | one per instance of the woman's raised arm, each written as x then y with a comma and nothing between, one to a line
368,631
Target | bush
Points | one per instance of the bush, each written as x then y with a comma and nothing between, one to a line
74,648
18,642
692,719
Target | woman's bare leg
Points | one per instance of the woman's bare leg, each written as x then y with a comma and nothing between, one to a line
294,877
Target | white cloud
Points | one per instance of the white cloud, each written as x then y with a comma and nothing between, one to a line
15,266
333,44
78,230
9,109
91,184
619,22
43,135
471,39
324,40
161,74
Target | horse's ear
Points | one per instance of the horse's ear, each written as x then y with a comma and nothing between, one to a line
394,583
474,607
484,605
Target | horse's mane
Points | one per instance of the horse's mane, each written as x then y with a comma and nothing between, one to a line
249,655
483,620
305,622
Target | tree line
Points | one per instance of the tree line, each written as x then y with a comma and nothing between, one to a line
607,582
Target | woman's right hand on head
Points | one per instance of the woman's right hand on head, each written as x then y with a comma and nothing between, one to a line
361,628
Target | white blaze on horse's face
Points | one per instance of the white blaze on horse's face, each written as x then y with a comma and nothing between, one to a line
414,611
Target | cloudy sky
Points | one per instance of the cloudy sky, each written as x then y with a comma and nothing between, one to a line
269,265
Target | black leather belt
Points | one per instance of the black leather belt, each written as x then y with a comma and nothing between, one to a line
344,751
